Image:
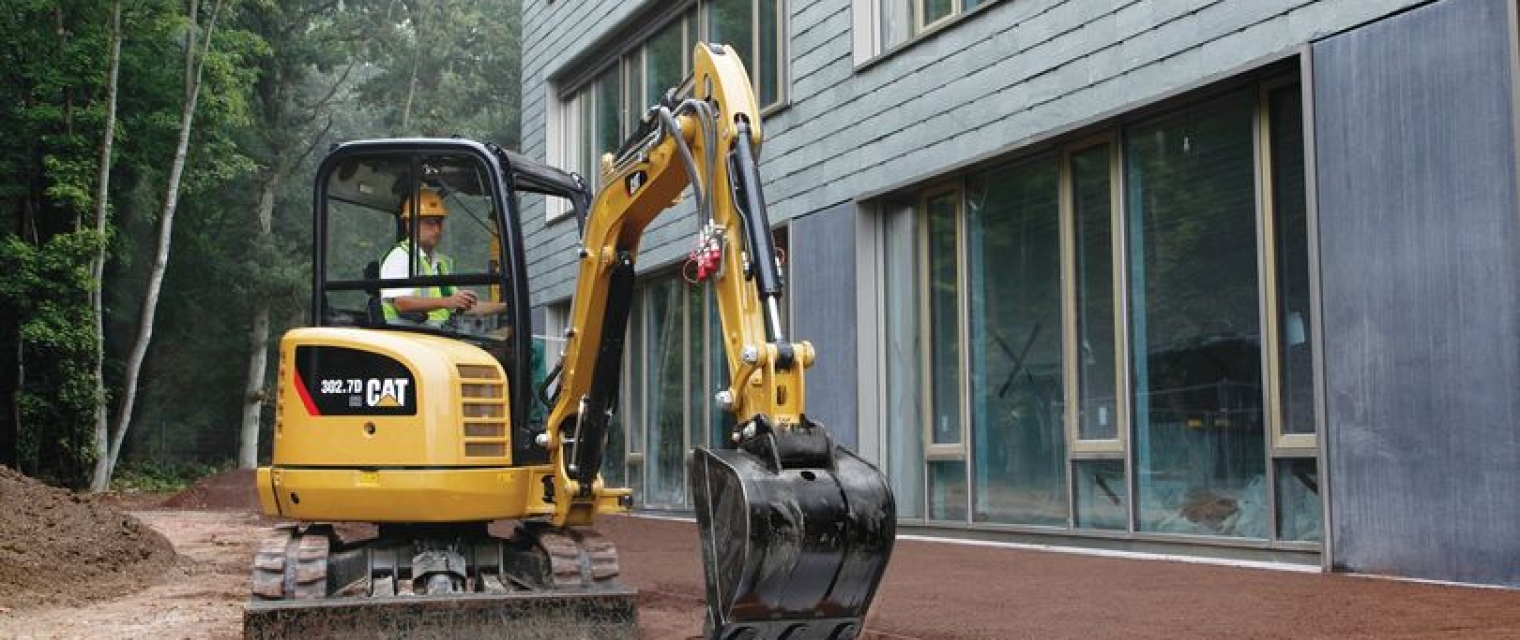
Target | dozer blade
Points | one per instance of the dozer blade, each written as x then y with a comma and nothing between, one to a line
538,616
444,582
796,533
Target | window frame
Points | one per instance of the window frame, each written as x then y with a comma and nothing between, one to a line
1280,443
920,12
1077,446
871,43
943,451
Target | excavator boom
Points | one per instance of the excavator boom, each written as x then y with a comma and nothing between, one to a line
796,530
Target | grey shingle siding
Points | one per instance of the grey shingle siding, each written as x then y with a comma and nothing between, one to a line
1003,77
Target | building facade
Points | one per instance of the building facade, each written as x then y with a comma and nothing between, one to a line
1217,277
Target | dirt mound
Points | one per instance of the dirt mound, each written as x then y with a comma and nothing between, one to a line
60,548
233,490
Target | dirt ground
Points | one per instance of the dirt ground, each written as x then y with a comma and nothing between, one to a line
932,590
60,548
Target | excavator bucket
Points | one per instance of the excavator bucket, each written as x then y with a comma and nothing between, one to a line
796,533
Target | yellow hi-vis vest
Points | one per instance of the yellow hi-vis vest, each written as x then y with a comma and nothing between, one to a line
438,266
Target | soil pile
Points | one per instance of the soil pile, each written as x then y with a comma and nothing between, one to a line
59,548
231,490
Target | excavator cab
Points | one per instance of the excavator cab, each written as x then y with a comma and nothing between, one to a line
429,218
410,453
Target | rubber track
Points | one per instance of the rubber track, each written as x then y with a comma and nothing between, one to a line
578,558
291,566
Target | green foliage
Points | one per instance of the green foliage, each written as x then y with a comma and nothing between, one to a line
448,67
163,477
46,287
284,78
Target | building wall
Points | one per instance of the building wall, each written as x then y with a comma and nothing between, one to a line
1416,173
1418,229
821,272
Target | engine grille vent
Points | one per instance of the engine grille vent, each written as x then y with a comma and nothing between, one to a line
483,411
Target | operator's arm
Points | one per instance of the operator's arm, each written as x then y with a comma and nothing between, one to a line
486,308
406,300
462,300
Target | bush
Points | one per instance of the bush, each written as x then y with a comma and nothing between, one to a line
159,477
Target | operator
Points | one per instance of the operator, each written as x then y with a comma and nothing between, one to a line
434,305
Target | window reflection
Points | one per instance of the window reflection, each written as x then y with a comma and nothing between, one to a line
1198,442
664,64
944,319
1097,382
1291,217
947,490
666,410
1102,495
1013,239
1299,515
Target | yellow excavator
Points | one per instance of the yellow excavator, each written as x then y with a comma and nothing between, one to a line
437,481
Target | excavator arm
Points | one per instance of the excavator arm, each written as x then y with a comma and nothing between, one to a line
796,530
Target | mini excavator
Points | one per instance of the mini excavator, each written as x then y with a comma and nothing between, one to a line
438,481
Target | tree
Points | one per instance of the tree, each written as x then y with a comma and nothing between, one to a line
293,114
98,262
54,60
195,62
448,67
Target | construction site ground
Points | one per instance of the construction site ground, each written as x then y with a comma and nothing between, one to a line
931,590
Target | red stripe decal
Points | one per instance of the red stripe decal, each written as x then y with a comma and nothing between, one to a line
311,407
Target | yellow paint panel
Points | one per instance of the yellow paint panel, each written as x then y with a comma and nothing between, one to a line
386,495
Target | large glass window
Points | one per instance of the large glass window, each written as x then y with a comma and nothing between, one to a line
1295,348
944,319
1103,354
1096,359
600,113
666,58
666,403
1016,386
1195,322
673,366
603,124
756,29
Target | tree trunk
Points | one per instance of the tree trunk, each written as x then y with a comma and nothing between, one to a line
16,398
165,233
411,86
258,338
100,480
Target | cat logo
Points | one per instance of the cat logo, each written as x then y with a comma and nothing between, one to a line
385,392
